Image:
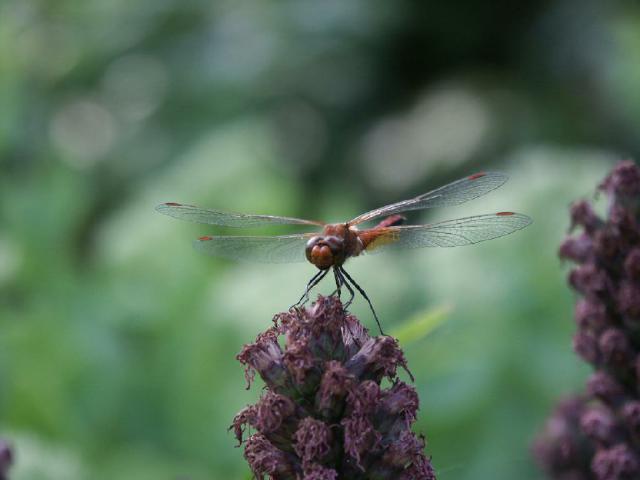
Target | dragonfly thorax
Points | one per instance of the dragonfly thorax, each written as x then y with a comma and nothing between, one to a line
337,243
325,251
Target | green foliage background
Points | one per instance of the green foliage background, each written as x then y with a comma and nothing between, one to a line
117,340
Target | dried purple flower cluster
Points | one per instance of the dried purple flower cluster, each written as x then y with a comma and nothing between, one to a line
597,436
6,459
324,414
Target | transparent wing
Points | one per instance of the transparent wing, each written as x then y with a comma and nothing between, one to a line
214,217
277,249
453,193
451,233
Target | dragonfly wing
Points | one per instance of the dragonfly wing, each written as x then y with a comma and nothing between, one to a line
276,249
214,217
451,233
453,193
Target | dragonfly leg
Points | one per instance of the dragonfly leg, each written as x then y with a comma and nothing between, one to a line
312,283
340,280
362,292
339,283
352,294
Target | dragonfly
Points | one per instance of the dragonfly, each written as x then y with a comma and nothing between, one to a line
330,248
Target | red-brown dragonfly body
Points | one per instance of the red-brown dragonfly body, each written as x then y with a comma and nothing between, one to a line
338,242
331,249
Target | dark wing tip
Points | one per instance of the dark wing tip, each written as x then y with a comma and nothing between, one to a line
476,175
496,179
163,207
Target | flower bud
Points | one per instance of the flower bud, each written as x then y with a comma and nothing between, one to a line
623,181
608,243
588,279
312,440
6,459
265,459
591,314
631,417
562,448
632,264
616,463
265,357
629,299
616,350
601,385
600,426
379,357
583,215
586,345
578,249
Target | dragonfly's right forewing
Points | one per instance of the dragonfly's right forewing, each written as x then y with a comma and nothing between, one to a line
214,217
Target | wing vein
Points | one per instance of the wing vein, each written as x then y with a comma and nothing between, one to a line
276,249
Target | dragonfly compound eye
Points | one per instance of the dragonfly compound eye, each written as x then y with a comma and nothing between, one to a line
322,251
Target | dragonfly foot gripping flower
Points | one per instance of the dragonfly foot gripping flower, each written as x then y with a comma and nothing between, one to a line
324,414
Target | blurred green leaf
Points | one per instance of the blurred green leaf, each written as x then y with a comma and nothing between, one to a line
421,324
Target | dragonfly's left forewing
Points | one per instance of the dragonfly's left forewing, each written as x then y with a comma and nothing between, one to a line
451,233
454,193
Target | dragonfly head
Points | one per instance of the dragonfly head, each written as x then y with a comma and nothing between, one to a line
325,251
